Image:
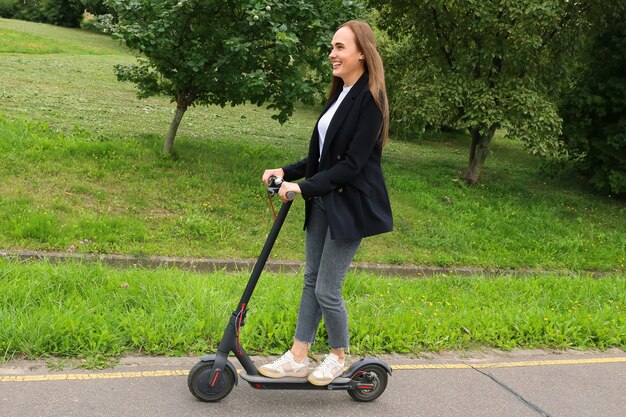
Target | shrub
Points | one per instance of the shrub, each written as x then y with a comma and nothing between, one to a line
57,12
97,24
66,13
29,10
97,7
8,8
594,112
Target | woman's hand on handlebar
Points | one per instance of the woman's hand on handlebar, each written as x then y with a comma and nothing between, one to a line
288,187
276,172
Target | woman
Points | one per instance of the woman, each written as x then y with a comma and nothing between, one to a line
345,197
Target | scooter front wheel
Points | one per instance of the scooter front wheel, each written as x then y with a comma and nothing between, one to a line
198,382
371,381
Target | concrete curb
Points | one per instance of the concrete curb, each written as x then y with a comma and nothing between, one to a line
245,265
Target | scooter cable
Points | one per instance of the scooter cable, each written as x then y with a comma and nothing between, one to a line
269,197
239,320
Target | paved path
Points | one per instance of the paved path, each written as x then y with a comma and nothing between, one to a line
516,384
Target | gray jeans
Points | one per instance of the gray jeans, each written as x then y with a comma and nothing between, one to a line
327,262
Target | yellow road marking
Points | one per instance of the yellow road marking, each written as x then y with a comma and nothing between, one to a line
185,372
510,364
92,376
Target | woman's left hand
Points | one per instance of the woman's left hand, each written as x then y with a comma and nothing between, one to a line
288,187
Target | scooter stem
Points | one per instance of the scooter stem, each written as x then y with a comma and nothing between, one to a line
230,340
265,253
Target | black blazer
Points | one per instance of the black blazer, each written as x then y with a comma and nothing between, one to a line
348,176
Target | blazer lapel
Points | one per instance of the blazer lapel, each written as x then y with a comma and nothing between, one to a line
341,113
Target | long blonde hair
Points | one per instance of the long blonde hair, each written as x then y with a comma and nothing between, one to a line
366,43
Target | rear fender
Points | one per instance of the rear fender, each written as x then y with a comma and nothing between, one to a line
356,366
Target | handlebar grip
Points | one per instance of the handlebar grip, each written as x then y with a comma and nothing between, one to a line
273,186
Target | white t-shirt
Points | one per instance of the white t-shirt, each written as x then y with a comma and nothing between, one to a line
322,125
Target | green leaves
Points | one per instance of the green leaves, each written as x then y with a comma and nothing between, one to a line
480,65
229,51
594,109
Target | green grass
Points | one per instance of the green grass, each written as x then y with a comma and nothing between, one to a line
73,310
80,161
121,195
36,38
81,170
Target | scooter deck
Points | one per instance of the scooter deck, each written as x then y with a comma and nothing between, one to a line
263,382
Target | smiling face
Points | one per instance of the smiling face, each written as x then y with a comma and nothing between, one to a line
348,61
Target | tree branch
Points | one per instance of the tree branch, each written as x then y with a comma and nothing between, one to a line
569,15
441,36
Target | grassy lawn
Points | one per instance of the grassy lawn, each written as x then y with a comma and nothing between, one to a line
80,169
80,161
93,311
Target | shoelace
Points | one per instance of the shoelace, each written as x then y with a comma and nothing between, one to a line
328,365
281,361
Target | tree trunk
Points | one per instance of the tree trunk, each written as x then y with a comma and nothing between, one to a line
171,133
479,150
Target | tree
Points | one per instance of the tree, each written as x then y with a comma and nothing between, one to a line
220,52
483,66
594,109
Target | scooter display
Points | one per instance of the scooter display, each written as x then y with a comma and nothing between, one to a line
214,376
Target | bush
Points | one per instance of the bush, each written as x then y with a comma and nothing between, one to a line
97,24
8,8
66,13
97,7
29,10
594,112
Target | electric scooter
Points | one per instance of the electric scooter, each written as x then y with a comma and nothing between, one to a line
214,376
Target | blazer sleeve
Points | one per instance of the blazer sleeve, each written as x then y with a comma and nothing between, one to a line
296,170
362,144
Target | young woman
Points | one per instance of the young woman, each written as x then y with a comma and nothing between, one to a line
345,196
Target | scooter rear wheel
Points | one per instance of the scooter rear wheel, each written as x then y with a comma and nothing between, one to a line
373,376
198,382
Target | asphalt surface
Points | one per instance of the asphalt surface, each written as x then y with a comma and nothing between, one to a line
485,384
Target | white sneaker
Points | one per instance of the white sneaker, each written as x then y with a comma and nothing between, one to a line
328,370
284,366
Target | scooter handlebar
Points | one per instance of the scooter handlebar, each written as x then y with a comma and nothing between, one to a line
273,185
